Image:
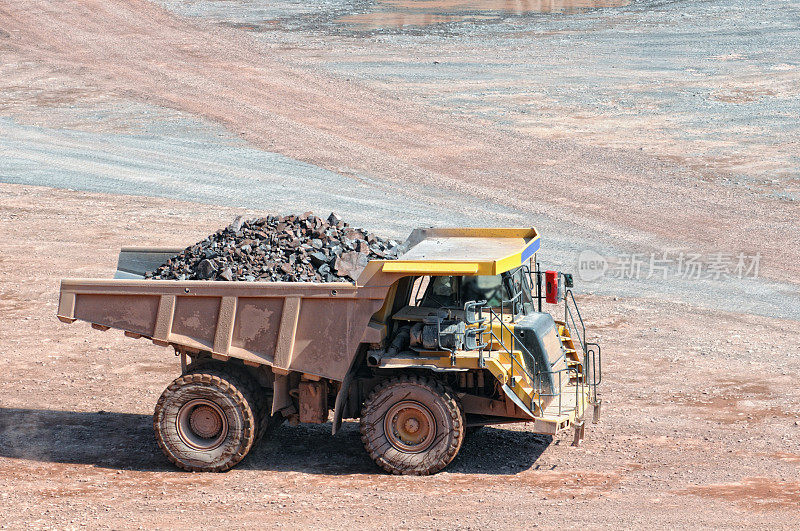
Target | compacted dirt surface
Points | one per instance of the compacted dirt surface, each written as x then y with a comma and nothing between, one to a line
700,425
207,103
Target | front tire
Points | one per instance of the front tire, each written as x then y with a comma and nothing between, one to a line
412,425
207,421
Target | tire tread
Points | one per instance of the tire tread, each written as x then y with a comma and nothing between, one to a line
452,404
243,391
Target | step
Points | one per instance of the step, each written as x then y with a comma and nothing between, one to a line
506,366
525,390
521,385
567,404
520,381
503,361
552,421
518,401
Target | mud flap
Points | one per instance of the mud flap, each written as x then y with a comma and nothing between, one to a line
341,399
344,392
516,400
280,393
579,432
596,413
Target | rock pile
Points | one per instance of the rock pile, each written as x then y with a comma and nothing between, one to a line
302,248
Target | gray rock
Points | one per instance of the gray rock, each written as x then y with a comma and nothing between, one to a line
319,259
206,269
236,224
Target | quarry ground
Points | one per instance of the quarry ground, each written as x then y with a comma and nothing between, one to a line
700,425
124,123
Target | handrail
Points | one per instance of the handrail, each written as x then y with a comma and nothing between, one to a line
568,317
536,378
579,389
596,368
512,302
581,380
574,321
503,326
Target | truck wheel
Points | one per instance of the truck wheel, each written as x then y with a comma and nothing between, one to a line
267,422
206,421
412,425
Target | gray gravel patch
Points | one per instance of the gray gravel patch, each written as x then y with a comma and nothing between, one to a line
213,167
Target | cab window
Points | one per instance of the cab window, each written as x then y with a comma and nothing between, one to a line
442,292
454,292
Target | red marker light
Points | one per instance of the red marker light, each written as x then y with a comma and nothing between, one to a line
551,286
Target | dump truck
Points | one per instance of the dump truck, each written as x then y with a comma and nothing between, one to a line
450,336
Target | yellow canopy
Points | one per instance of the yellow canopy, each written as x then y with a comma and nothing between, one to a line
463,251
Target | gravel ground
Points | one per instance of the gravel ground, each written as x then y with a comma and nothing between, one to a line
191,160
710,84
700,426
393,116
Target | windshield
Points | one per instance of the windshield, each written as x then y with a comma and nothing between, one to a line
454,292
484,288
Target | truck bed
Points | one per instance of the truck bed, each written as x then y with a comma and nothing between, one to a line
305,327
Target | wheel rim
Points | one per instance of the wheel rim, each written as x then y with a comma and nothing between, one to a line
410,427
202,424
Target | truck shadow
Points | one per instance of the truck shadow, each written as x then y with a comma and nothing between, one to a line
106,440
125,441
311,449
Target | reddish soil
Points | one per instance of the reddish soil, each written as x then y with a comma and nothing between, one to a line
700,424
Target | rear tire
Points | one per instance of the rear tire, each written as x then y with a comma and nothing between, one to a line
412,425
207,421
267,422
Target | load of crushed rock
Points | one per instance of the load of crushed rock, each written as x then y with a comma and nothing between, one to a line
303,248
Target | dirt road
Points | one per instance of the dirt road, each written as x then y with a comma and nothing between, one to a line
700,424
